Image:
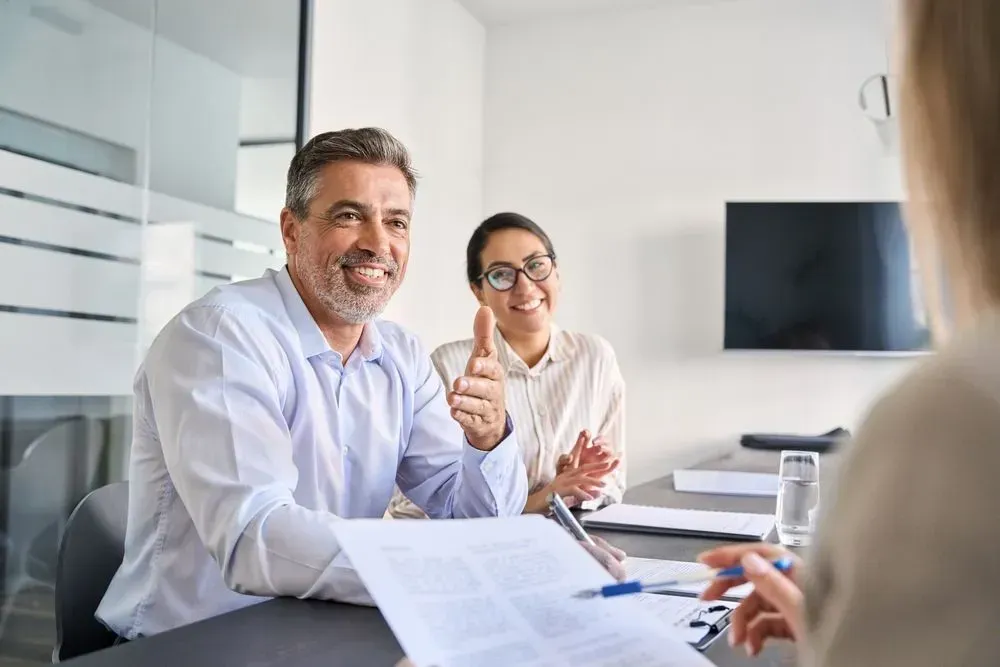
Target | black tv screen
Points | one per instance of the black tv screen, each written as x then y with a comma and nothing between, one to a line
837,276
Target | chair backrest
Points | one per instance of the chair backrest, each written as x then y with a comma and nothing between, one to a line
92,548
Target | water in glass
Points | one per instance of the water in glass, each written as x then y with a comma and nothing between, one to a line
798,498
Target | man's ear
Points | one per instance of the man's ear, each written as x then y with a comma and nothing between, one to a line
290,230
477,291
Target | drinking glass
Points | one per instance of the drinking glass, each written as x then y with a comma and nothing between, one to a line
798,498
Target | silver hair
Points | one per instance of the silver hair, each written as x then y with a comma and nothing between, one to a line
371,145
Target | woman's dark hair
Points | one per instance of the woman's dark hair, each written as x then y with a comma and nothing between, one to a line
495,223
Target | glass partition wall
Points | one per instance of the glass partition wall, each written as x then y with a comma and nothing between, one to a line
143,145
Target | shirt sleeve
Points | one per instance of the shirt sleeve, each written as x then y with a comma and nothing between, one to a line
228,450
612,427
442,474
613,430
901,573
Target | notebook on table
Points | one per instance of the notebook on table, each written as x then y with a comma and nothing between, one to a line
726,483
691,523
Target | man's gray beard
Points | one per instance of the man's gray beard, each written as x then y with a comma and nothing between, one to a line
355,304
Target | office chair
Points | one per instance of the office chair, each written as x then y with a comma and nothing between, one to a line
91,550
39,484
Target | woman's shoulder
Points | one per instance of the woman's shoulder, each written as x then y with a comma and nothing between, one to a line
592,346
918,490
956,391
455,352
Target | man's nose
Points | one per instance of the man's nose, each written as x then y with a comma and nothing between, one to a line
374,237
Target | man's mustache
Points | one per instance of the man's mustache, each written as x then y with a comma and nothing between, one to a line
358,257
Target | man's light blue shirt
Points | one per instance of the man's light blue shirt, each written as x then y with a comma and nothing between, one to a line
252,440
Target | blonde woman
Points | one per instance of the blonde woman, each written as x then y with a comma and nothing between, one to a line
904,569
565,392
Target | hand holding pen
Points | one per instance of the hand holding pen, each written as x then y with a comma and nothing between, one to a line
635,586
774,609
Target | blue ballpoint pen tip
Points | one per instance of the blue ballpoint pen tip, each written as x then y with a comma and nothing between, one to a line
783,564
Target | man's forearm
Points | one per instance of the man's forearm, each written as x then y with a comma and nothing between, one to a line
293,552
493,483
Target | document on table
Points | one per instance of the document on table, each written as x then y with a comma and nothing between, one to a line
499,592
670,521
652,570
726,483
678,613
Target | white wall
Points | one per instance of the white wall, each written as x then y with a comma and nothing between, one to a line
268,107
268,111
98,82
195,127
624,136
416,69
261,172
49,354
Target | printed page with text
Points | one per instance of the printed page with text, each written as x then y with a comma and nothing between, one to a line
499,592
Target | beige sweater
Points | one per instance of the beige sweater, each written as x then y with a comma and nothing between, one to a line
906,568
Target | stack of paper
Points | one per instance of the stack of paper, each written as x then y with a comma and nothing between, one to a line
500,592
697,523
726,483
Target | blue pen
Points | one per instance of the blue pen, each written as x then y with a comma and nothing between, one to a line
629,587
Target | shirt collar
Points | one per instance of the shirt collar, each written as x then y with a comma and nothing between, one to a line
311,339
370,346
560,348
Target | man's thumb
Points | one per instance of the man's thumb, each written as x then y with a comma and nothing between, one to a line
482,330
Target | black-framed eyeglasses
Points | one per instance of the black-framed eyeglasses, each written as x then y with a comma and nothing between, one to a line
536,269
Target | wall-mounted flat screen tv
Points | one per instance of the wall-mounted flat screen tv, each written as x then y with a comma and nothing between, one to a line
833,276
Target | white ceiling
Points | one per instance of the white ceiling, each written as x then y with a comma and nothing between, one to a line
497,12
256,38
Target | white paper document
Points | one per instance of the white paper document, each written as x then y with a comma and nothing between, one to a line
726,483
666,520
499,592
678,613
652,570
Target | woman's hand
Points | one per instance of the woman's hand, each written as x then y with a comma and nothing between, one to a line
574,486
774,609
586,451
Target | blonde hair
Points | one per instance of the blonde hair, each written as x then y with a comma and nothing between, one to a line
950,122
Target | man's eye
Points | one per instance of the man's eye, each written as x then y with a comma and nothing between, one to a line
399,224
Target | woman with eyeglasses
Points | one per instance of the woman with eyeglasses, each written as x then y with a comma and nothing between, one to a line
565,392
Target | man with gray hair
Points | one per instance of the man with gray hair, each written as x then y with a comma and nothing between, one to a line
269,410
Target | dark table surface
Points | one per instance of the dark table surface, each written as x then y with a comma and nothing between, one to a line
297,633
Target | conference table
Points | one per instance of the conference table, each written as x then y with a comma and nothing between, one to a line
306,633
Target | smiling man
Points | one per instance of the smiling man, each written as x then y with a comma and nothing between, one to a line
270,410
